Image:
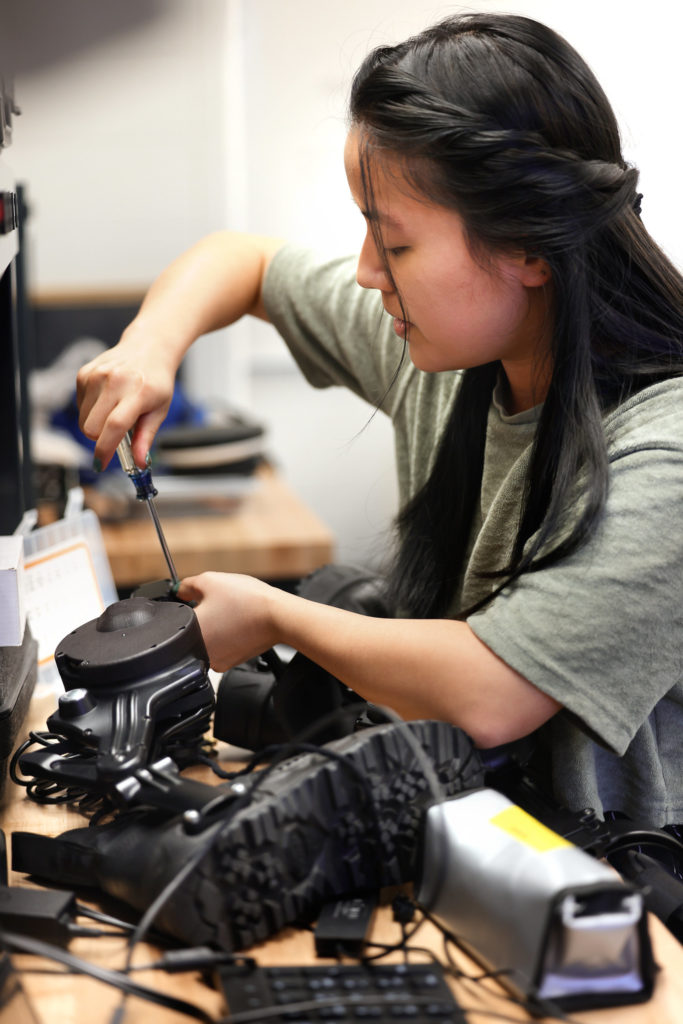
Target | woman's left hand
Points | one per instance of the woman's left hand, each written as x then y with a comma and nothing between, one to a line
234,614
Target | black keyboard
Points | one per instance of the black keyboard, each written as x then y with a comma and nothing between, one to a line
345,994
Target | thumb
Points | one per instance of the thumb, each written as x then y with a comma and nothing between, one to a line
188,590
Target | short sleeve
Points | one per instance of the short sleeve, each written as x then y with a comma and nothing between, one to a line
601,630
336,330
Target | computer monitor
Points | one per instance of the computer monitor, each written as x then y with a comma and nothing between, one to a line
16,486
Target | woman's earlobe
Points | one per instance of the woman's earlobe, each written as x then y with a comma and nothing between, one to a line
535,272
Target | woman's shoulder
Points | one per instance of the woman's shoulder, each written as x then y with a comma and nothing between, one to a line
321,289
651,418
295,263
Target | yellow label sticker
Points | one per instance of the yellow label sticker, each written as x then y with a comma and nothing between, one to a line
527,830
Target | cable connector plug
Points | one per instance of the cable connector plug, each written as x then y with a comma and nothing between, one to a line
41,913
403,909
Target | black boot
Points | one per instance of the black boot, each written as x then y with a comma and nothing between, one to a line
319,825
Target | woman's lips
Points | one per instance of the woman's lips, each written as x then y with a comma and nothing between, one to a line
400,325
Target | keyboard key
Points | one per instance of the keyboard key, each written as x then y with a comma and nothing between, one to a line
380,994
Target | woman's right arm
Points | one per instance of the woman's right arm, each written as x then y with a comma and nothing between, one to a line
130,386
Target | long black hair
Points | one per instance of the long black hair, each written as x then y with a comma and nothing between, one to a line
498,117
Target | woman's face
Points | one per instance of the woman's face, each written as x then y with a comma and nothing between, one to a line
459,312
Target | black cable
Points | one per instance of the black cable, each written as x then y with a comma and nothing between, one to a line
194,958
344,712
145,922
288,748
98,915
78,931
46,791
42,738
530,1005
97,804
387,948
116,979
549,1008
210,762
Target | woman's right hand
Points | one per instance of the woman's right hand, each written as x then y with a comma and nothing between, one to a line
127,388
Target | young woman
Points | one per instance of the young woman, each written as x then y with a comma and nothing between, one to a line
538,579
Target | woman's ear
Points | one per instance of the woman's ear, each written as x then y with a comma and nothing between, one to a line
533,271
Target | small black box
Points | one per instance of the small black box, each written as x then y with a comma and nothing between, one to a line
343,925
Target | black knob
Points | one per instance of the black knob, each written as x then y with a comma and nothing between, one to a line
75,703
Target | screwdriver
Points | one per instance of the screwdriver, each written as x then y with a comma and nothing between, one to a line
145,491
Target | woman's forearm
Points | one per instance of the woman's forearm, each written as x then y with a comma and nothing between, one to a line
421,668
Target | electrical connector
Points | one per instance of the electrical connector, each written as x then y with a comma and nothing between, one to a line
45,914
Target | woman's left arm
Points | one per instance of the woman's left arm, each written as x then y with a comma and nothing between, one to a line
422,668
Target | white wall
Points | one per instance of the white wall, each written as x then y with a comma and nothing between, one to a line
120,139
148,123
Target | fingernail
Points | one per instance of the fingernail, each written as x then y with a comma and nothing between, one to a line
97,465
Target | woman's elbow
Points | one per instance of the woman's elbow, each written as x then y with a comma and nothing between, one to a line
493,724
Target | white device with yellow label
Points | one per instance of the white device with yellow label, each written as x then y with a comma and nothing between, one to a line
561,925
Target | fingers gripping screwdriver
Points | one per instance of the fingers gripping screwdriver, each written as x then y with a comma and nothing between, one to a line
145,491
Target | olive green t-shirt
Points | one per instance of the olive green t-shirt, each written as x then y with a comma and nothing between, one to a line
602,630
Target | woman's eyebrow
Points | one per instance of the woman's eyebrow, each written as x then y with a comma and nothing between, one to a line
380,217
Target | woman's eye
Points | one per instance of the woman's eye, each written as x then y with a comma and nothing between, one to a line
396,250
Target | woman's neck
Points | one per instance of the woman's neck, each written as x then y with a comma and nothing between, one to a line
524,385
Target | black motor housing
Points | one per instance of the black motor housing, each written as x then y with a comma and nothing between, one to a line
136,690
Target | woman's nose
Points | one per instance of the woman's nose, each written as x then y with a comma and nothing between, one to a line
372,271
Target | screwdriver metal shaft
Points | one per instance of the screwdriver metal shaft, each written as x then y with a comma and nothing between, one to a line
145,491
